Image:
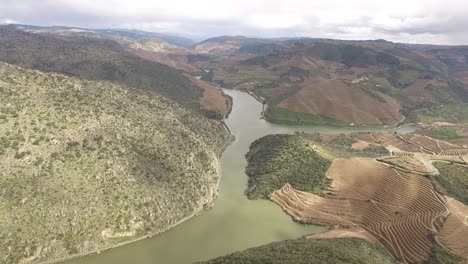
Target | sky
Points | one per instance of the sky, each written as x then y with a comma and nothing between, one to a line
410,21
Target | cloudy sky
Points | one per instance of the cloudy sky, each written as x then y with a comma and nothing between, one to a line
412,21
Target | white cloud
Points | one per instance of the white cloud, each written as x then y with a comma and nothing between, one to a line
426,21
8,21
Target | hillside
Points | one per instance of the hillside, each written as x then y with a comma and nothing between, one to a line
396,200
89,164
95,59
347,82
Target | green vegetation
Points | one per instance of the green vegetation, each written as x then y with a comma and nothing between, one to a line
280,115
351,55
453,113
452,181
340,146
229,77
442,133
336,251
440,255
275,160
86,164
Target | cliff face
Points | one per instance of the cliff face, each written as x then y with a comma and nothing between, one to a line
89,164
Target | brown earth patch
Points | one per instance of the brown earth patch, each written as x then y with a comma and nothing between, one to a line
275,92
401,210
360,145
354,232
213,99
338,100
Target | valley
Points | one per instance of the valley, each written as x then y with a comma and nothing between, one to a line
123,146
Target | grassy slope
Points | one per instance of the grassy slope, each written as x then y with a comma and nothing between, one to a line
86,164
452,181
453,113
349,250
95,60
442,133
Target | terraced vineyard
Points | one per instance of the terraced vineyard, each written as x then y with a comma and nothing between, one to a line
365,197
392,201
414,143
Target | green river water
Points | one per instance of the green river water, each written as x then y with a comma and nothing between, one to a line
234,223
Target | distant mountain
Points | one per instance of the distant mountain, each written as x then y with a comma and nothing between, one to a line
229,45
138,34
95,59
130,33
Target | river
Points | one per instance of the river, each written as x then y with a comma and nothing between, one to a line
234,223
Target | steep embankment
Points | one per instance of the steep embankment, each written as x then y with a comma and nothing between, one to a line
88,164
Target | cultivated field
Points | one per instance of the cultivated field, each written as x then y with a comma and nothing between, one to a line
414,143
399,209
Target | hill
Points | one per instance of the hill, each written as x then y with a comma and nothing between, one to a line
95,59
87,165
127,33
327,182
347,82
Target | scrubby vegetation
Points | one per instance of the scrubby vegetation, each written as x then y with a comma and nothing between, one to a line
341,146
275,160
280,115
342,250
87,164
453,113
452,181
442,133
441,255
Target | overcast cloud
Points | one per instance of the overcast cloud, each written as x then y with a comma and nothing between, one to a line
412,21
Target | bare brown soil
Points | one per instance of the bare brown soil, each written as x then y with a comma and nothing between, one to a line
360,145
399,209
213,98
356,232
339,100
